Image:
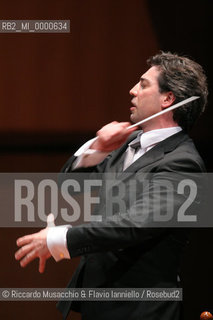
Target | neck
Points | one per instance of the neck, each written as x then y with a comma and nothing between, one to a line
161,122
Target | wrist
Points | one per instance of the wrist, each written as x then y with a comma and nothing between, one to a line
99,146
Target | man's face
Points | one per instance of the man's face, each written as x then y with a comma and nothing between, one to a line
147,100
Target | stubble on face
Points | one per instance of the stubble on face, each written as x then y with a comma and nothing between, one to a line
146,96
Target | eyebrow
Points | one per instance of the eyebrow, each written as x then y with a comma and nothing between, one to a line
144,80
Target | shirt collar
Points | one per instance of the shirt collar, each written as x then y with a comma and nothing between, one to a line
151,138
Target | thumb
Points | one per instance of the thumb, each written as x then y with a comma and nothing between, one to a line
50,220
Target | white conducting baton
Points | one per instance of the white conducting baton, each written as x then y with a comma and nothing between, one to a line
177,105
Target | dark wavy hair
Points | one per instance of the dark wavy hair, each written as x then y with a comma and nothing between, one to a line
185,78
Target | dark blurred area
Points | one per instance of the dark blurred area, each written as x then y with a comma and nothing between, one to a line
57,90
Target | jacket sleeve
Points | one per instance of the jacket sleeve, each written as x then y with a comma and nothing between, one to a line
154,210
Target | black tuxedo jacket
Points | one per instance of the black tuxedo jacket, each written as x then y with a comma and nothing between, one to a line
125,255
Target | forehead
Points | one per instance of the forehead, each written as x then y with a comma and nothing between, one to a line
151,75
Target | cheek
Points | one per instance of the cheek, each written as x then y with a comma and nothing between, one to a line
151,98
146,94
148,104
146,98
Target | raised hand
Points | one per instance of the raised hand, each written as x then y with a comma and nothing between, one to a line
112,136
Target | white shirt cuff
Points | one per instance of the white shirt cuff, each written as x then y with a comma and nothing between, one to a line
57,242
87,157
85,147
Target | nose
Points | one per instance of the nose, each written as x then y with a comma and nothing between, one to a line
134,90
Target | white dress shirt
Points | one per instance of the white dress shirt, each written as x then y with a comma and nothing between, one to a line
56,236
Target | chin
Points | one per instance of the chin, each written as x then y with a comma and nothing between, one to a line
134,118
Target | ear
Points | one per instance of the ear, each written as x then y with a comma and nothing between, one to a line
167,99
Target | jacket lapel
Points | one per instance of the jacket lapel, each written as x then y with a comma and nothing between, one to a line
150,157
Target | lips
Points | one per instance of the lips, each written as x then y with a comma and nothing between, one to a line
133,107
133,103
